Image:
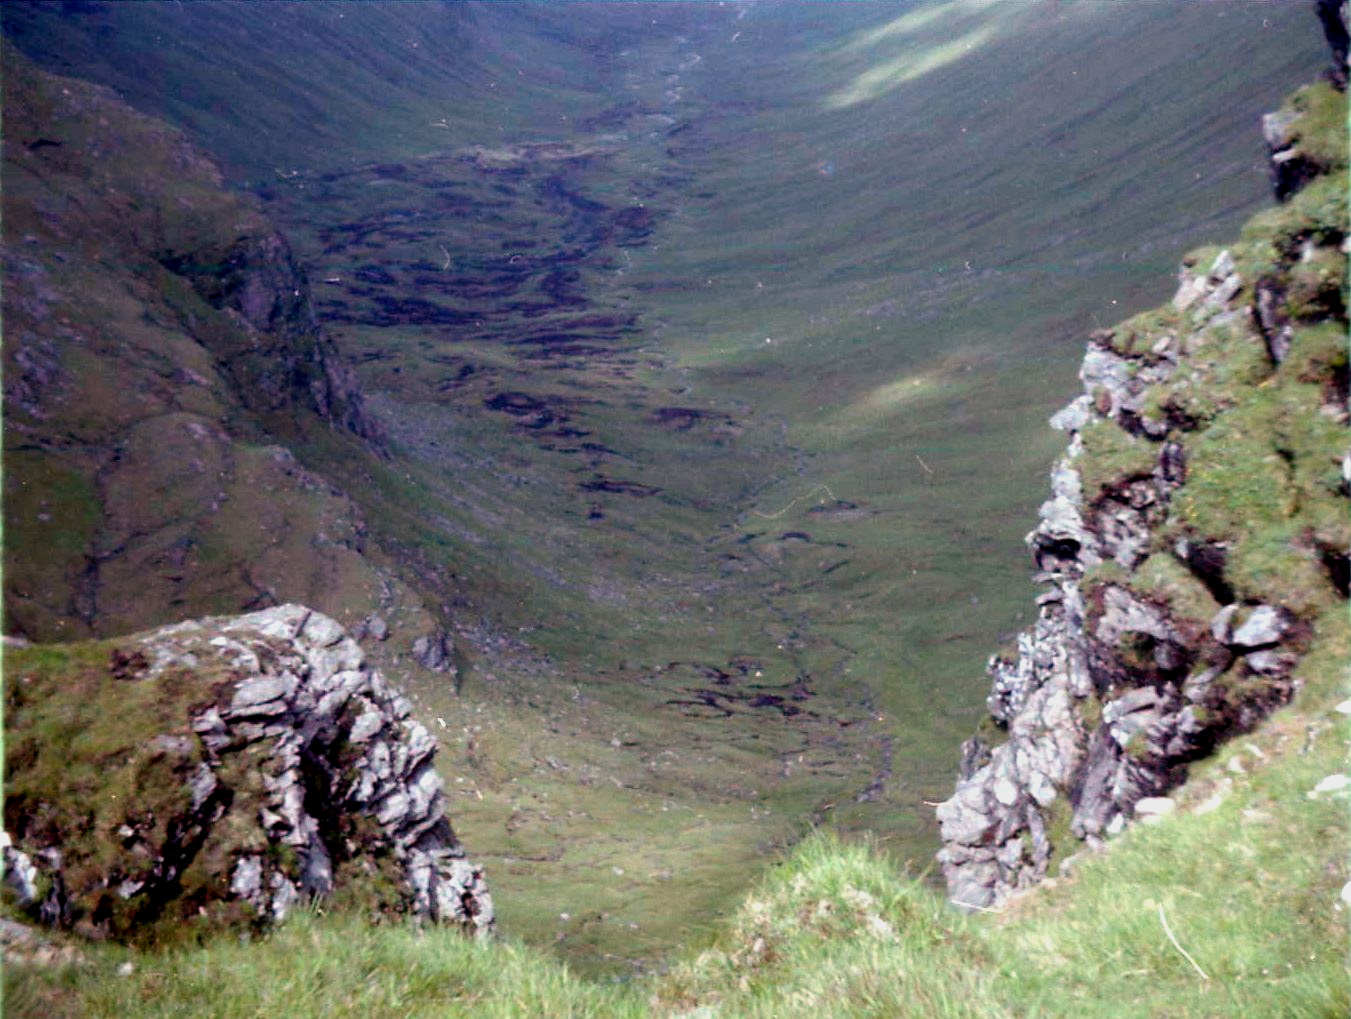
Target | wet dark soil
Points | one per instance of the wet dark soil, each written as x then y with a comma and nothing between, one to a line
736,689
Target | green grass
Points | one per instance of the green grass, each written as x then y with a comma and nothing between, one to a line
1264,479
1112,456
1246,873
1318,213
79,764
53,508
1223,361
349,968
1320,131
1162,578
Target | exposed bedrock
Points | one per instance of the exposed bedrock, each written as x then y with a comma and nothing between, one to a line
237,766
1196,531
278,357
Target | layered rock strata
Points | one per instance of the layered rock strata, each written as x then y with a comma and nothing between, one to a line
1196,532
258,763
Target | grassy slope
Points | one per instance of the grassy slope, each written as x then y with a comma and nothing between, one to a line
295,87
840,229
888,350
117,391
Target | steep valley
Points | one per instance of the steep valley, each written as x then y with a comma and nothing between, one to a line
709,363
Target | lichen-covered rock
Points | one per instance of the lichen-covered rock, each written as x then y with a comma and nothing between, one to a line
219,772
1198,527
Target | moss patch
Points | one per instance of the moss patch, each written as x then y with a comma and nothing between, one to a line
92,755
1318,213
1161,578
1320,132
1112,456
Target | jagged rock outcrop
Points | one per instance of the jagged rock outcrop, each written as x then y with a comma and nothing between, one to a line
85,166
218,772
1198,528
278,356
1335,17
435,652
1295,155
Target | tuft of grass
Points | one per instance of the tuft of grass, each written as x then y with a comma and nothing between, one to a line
1320,131
834,926
1135,336
1318,213
332,965
1263,479
1162,578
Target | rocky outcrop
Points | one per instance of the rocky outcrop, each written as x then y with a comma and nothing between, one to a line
1196,531
278,357
220,772
1297,156
435,652
1334,16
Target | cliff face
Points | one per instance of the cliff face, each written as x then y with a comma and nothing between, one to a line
160,355
85,172
275,355
1196,534
216,773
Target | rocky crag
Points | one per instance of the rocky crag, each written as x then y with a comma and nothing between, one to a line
1197,533
79,157
217,773
166,387
163,369
161,358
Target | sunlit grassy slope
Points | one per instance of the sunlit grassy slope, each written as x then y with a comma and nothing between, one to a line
715,345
